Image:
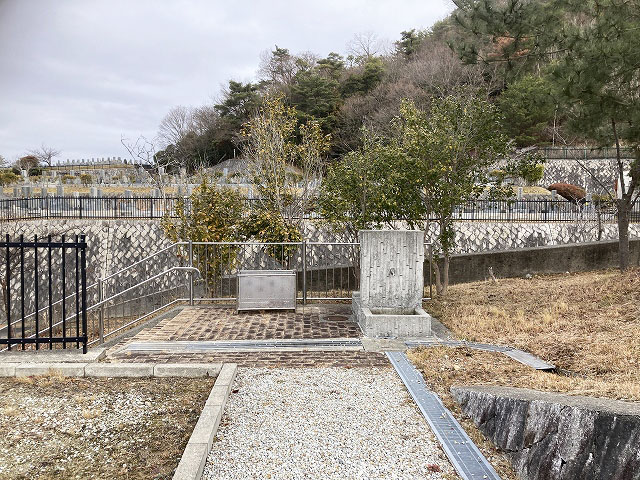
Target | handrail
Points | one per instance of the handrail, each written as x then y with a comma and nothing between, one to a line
94,306
172,269
140,261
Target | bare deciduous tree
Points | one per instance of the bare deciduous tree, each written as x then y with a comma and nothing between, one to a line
273,155
45,154
143,151
365,45
175,126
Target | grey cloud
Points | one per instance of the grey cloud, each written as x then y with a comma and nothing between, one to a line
78,74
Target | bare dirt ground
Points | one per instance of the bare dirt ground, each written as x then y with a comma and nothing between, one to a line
78,428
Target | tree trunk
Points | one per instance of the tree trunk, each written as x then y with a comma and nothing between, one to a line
442,275
623,233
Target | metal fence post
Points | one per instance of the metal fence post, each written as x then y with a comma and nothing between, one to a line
191,273
101,311
304,272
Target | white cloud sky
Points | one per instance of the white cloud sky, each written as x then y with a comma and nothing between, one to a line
78,74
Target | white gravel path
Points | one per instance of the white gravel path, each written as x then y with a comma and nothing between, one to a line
325,423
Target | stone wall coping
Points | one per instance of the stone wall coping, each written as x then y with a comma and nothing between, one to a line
616,407
199,445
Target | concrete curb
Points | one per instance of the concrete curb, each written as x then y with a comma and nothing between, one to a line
197,450
112,370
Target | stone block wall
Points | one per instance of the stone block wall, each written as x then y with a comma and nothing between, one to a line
554,436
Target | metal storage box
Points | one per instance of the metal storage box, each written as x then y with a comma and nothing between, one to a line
267,290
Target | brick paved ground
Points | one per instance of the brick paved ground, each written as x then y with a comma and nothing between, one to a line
209,323
212,323
265,359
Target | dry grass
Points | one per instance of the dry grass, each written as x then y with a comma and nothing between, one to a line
587,324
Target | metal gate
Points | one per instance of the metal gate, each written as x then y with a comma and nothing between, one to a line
46,278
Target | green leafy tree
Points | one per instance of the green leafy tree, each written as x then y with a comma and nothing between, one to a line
212,214
332,66
435,161
410,41
455,145
592,51
372,187
528,107
315,97
285,162
599,80
365,78
8,177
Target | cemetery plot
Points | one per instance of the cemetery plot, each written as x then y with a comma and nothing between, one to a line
76,428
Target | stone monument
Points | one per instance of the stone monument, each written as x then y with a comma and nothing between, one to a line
389,303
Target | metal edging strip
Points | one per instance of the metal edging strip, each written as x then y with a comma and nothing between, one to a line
464,455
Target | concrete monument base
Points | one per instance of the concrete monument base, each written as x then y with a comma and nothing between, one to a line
387,324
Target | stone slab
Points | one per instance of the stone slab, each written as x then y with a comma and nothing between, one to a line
7,370
190,370
383,345
192,463
65,369
554,435
195,454
391,269
119,370
53,356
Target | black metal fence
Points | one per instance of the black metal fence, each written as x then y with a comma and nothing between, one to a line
583,153
157,207
86,207
539,211
46,278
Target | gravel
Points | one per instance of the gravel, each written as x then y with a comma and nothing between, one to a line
79,428
329,423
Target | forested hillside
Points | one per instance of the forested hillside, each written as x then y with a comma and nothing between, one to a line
365,87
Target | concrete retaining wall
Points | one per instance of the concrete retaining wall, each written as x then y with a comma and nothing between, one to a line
550,259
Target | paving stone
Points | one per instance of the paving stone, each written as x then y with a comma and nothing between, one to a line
187,370
65,369
118,370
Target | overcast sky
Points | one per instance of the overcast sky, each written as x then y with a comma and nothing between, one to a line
78,74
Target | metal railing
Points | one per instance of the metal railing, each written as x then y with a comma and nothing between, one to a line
539,211
51,207
200,272
206,272
511,210
584,153
41,272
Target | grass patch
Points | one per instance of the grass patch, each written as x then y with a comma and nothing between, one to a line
587,324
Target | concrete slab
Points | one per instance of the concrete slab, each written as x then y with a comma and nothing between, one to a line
53,356
383,345
207,425
7,370
65,369
119,370
190,370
